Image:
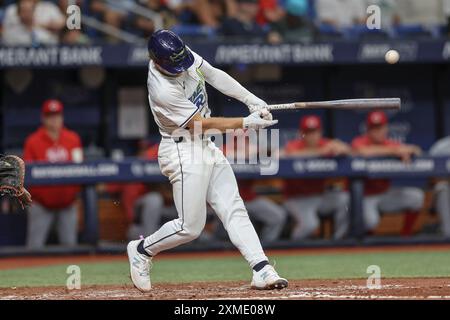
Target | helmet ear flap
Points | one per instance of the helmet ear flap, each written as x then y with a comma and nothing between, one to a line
154,58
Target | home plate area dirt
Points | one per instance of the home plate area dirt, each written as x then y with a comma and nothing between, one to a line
425,288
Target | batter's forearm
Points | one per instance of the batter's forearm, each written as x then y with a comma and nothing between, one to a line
221,124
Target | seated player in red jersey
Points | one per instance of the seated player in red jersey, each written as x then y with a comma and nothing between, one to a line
308,199
379,195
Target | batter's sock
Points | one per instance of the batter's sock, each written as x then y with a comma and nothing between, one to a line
141,250
258,267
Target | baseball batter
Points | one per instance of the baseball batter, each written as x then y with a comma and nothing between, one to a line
197,169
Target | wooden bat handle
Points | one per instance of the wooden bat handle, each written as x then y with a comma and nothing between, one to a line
351,104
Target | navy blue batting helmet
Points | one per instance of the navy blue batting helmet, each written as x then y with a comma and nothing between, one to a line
169,51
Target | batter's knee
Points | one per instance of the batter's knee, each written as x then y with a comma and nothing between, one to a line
193,231
192,234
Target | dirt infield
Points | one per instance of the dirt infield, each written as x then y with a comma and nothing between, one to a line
433,288
353,289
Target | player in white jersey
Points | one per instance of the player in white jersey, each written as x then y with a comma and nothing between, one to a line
197,169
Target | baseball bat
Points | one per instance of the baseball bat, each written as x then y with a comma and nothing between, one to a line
348,104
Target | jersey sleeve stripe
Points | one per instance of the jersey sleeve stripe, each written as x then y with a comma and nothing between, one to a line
189,118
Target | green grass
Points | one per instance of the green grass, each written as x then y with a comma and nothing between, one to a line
317,266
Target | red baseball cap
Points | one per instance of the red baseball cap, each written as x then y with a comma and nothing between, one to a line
376,118
310,122
52,106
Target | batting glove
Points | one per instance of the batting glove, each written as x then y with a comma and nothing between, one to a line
254,103
254,121
265,114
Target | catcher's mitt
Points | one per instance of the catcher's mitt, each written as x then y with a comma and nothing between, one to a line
12,174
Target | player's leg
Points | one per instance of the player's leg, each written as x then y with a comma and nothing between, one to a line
270,214
67,225
39,223
337,203
304,210
223,196
149,210
189,184
407,199
402,198
442,200
371,212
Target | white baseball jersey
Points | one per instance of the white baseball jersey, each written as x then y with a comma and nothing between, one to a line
175,100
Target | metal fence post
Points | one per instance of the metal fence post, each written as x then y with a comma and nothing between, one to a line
356,207
91,223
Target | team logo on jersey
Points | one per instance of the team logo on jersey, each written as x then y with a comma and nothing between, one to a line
199,96
57,154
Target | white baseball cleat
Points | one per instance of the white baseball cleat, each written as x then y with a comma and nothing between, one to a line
268,279
140,266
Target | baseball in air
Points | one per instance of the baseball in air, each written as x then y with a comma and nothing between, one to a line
392,56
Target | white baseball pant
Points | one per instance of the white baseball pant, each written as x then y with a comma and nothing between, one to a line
395,199
200,174
307,210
